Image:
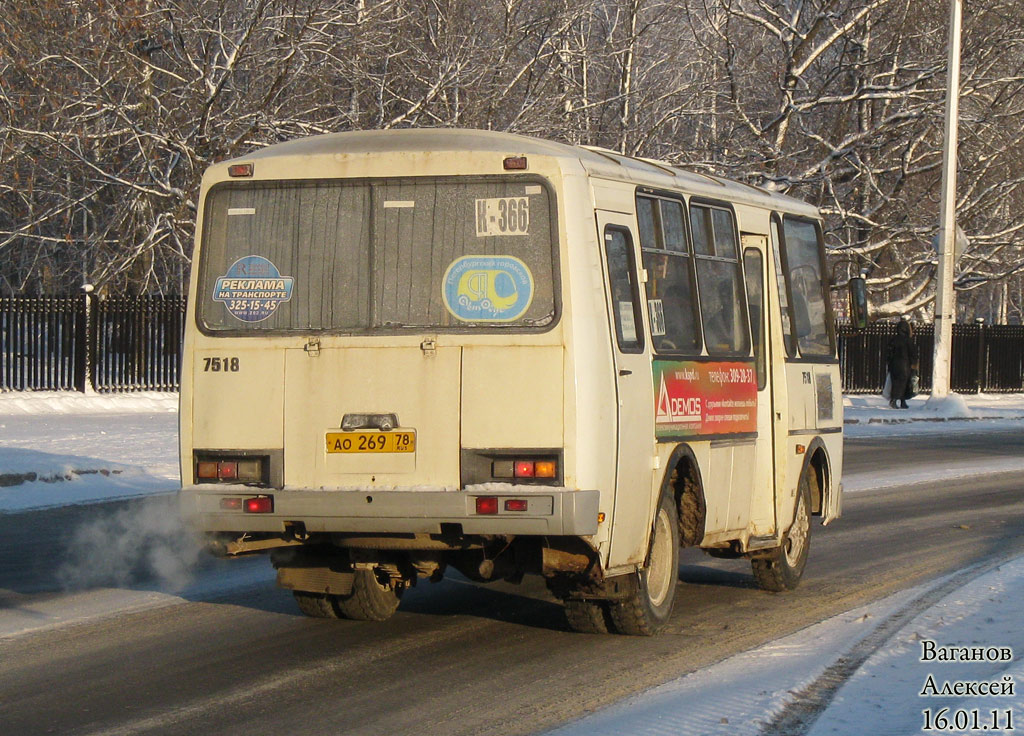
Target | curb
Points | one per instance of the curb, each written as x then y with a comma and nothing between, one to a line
910,420
16,479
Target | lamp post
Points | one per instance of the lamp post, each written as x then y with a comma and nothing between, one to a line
945,306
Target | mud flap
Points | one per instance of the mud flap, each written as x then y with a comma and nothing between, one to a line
834,508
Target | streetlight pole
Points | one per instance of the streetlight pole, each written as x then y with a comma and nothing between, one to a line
945,307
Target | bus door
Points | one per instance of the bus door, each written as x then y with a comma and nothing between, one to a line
634,392
813,396
762,501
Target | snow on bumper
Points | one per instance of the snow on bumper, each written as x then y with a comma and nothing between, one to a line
550,511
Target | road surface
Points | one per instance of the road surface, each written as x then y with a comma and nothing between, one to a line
459,658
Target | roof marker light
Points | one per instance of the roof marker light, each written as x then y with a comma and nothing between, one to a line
515,163
237,170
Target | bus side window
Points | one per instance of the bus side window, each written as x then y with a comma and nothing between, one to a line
625,297
753,270
719,281
780,278
670,292
802,246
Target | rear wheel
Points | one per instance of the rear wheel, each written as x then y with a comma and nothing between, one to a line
782,568
316,605
370,599
587,616
646,611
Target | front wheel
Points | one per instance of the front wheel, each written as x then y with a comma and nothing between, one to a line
782,568
647,610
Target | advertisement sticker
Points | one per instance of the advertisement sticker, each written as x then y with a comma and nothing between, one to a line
693,398
487,288
252,289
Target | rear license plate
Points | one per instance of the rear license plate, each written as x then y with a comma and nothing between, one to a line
396,441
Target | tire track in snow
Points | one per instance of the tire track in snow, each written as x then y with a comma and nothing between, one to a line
799,716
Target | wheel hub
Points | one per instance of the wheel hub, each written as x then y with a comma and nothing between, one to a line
659,574
797,538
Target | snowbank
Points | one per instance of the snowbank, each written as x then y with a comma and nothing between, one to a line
72,402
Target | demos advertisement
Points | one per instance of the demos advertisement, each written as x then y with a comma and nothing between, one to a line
694,398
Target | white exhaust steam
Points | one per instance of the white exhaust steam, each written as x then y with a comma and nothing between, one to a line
146,543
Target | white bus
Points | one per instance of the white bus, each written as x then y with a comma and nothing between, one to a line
408,350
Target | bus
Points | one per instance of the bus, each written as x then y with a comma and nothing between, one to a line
414,350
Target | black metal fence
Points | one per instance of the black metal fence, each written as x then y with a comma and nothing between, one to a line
43,343
987,358
138,343
69,343
134,344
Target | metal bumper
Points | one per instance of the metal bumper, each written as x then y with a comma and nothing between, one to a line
551,512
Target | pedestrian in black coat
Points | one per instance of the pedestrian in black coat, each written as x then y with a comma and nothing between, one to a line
902,358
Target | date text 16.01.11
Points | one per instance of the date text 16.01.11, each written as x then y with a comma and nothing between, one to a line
971,720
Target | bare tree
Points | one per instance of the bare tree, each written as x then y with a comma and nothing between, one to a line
106,131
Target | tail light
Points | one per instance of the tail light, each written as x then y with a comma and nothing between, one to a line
254,505
486,505
231,470
525,468
259,505
491,505
515,466
545,469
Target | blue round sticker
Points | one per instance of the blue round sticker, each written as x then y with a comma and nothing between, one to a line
252,289
487,288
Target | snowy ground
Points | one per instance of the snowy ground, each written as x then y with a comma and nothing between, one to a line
56,436
69,440
773,687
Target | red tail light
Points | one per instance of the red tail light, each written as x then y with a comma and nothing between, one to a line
524,469
516,504
231,504
486,505
259,505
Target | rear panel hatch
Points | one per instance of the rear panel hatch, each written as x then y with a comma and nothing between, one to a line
420,387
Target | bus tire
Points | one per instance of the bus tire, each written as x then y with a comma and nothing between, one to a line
646,611
782,568
315,605
586,616
370,600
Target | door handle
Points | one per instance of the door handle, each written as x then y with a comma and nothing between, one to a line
624,372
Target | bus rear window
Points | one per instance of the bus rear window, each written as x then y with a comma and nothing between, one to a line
365,256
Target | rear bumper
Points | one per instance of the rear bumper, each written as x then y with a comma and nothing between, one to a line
553,512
